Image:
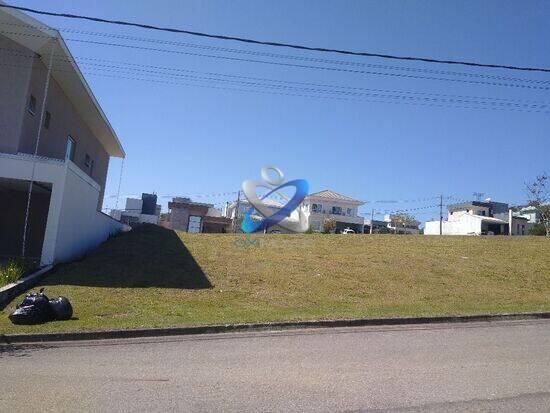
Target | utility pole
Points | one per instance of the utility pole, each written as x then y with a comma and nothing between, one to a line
236,216
371,221
441,215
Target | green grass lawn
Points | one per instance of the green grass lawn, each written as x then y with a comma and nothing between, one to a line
152,277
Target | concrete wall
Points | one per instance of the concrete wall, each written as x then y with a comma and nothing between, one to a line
467,225
80,227
15,74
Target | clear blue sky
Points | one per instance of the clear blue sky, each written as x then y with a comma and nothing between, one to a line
185,140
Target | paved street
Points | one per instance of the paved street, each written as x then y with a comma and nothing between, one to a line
499,366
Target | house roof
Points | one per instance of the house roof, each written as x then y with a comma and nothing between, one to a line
37,37
489,219
334,196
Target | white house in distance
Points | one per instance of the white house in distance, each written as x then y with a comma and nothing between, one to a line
479,218
53,134
139,211
316,207
328,204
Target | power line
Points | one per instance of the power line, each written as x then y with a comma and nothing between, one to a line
284,56
300,66
161,70
396,98
275,44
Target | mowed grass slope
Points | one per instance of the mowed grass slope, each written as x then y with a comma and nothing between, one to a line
153,277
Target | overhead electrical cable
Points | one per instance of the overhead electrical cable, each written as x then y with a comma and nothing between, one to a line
284,56
301,66
276,44
118,66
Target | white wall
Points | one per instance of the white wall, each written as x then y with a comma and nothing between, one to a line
74,225
80,226
465,225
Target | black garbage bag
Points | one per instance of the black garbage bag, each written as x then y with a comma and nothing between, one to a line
61,308
35,309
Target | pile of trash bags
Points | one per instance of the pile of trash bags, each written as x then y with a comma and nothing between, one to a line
36,308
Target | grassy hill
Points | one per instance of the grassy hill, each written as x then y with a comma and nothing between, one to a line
155,277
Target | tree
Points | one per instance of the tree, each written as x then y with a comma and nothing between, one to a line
329,225
539,197
403,220
537,229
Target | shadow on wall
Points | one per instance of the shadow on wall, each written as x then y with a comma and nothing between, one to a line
147,256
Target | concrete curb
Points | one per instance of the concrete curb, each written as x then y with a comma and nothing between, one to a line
10,291
232,328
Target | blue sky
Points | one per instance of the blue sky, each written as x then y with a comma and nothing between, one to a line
187,140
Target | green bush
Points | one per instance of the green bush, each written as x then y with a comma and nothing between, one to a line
537,229
11,272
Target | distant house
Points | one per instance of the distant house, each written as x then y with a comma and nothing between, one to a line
316,207
195,217
479,218
530,213
139,211
54,114
329,204
235,213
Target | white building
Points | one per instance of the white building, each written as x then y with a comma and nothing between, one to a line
328,204
316,207
139,211
478,218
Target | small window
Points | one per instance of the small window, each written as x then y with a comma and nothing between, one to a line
87,161
349,211
32,105
71,146
483,213
47,120
92,168
337,210
316,207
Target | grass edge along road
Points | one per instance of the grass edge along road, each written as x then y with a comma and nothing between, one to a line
153,277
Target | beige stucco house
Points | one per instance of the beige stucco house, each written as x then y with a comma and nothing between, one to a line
44,98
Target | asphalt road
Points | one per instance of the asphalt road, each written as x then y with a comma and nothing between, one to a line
498,366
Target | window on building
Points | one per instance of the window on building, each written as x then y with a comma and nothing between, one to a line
523,230
316,207
482,213
92,163
87,161
517,228
349,212
47,120
32,105
70,150
194,225
336,210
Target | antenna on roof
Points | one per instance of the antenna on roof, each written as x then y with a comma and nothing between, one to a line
478,195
